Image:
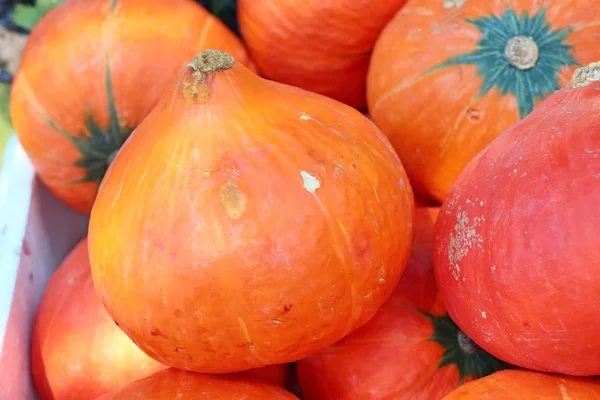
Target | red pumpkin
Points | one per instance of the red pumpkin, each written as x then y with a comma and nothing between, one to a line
91,71
411,349
77,350
449,76
248,223
517,255
520,385
320,45
172,384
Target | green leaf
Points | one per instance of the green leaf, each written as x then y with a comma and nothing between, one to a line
5,125
27,16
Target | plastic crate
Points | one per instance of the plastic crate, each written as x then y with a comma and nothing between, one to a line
36,233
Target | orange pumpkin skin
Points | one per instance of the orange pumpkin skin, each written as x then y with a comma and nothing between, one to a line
320,45
401,353
520,384
173,384
441,99
266,223
91,71
518,240
77,351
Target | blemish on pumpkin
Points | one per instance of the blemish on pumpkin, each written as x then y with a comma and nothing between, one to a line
474,115
462,240
276,321
157,332
287,308
205,174
194,90
563,392
401,183
305,117
382,274
453,3
483,314
233,200
310,183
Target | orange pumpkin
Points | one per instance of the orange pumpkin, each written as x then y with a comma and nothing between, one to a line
172,384
248,223
521,385
448,76
320,45
91,71
77,350
411,349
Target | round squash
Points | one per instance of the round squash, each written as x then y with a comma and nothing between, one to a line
247,222
91,71
517,256
411,349
448,76
77,350
520,385
172,384
320,45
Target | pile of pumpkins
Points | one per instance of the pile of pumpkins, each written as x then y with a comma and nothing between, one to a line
354,199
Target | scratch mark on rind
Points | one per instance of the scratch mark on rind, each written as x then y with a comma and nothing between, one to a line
563,392
251,345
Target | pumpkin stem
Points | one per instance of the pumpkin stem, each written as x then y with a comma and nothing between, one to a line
522,52
586,75
210,61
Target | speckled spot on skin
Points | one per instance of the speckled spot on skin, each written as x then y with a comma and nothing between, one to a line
310,183
454,3
462,239
305,117
233,200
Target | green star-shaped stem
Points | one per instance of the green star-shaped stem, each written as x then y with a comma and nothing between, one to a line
99,145
470,360
527,85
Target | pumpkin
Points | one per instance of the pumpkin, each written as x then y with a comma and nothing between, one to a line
411,349
184,385
247,222
319,45
519,385
91,71
517,256
77,350
449,76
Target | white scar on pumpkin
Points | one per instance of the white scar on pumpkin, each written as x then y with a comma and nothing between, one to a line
310,183
462,240
454,3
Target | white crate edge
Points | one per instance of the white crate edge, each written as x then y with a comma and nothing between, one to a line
36,232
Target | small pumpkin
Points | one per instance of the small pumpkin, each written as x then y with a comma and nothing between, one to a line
323,46
449,76
77,350
519,385
173,384
91,71
247,222
411,349
517,255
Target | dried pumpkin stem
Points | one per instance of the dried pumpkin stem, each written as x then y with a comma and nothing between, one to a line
210,61
586,75
522,52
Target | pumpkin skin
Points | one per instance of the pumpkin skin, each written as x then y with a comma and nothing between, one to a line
518,385
518,239
419,353
184,385
91,71
257,274
441,87
287,41
77,350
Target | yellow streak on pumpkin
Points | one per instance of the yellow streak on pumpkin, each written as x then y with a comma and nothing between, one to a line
233,200
251,345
